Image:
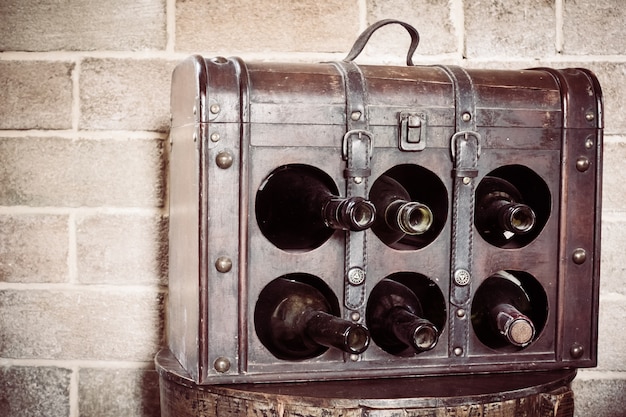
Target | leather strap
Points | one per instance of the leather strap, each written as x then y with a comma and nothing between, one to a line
357,151
465,150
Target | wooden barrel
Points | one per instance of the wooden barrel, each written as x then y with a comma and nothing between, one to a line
528,394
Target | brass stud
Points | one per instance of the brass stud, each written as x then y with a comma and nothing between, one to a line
223,264
224,159
462,277
589,142
221,364
356,115
460,313
356,276
355,316
215,137
458,351
466,117
579,256
582,164
467,180
576,351
215,108
590,116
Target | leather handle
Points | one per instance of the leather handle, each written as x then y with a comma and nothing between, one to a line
364,37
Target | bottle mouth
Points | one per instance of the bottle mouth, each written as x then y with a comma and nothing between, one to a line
520,219
425,338
357,339
361,213
520,332
414,218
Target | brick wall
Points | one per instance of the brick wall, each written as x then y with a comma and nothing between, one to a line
83,119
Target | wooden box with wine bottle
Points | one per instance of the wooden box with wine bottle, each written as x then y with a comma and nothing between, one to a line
344,221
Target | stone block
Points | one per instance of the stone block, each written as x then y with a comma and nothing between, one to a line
611,354
594,28
121,249
82,25
266,26
125,94
613,268
89,172
34,248
118,392
599,397
89,324
517,28
613,178
433,20
34,391
35,94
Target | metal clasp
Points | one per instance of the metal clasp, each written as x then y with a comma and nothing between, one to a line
412,131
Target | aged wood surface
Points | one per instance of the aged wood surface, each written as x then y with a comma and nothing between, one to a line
539,394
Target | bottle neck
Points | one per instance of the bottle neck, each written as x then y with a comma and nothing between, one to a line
516,218
331,331
408,217
412,330
516,327
353,213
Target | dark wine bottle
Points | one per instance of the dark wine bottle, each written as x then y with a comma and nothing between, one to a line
398,216
394,317
500,209
500,312
297,208
294,321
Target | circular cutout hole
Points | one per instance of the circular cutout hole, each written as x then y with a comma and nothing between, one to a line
513,205
411,207
509,310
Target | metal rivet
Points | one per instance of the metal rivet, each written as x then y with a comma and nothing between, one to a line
582,164
215,137
590,116
219,60
589,143
466,117
355,316
356,276
460,313
576,351
221,364
357,180
579,256
356,115
223,264
466,180
462,277
224,159
354,357
215,108
458,351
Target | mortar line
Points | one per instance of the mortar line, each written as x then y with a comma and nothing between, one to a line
74,393
72,256
80,363
170,25
559,38
76,94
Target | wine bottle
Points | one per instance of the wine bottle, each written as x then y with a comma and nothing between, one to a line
500,209
296,208
394,317
294,321
500,312
398,216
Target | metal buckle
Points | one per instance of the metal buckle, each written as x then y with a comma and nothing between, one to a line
465,134
360,133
